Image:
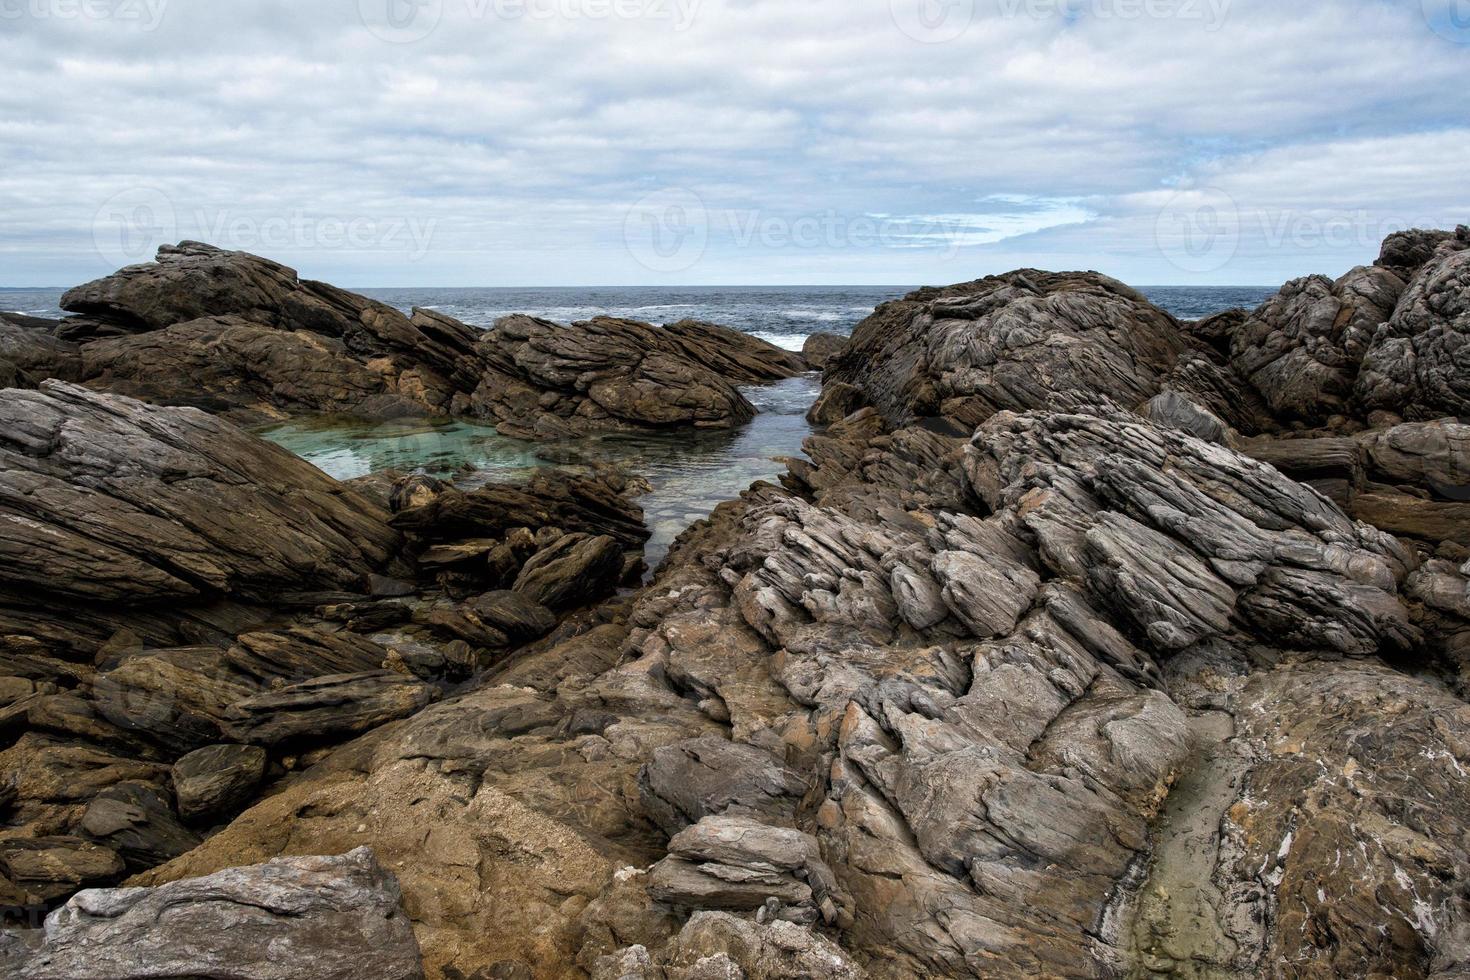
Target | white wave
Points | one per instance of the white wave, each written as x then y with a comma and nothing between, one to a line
786,341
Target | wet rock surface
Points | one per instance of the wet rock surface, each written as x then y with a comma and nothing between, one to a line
1083,643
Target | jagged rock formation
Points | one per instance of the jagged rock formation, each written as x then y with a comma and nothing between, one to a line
1009,342
1416,365
1070,650
546,380
187,612
247,338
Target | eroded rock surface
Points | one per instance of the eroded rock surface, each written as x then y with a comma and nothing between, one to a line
309,918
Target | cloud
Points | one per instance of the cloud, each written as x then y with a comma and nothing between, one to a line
498,142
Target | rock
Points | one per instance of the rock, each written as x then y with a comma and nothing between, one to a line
820,348
117,507
575,570
1024,340
836,402
520,618
733,354
1431,455
685,782
137,821
600,503
57,866
1405,252
1414,363
1302,348
327,707
1182,412
217,779
716,945
178,698
244,335
302,918
545,380
1413,516
33,353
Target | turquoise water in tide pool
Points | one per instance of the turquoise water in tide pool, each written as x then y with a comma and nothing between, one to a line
690,472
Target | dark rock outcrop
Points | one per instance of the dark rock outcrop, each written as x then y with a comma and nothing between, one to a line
236,333
1416,364
545,380
135,514
1302,348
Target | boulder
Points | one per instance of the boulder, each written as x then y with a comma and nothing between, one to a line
733,354
302,918
820,348
217,779
575,570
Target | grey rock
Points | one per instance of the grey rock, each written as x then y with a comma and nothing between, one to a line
302,918
1020,341
688,781
1414,365
1302,348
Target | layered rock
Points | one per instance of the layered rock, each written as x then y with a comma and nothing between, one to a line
314,918
1415,365
1043,663
1010,342
236,333
545,380
1302,348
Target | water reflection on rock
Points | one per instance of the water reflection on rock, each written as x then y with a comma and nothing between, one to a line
690,472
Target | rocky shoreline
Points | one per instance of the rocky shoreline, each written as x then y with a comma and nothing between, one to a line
1085,642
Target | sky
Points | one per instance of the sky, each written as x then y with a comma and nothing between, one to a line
645,142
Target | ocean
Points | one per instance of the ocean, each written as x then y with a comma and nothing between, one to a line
784,315
690,473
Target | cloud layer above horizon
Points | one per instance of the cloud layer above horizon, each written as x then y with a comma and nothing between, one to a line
545,142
